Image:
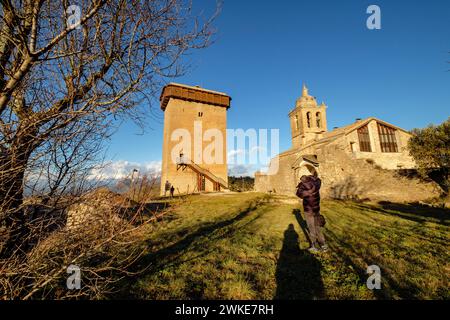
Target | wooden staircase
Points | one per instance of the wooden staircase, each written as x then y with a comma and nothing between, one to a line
184,162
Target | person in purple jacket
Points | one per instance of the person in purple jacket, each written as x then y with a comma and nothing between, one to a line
309,190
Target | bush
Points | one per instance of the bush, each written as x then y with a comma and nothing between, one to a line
430,148
240,184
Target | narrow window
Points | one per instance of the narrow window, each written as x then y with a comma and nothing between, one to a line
308,119
364,139
200,114
388,141
296,122
318,120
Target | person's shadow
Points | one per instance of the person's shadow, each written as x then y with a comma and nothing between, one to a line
298,271
302,223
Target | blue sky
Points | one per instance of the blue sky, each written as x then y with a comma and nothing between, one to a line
265,50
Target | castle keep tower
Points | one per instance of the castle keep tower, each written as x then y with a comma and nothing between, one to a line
194,156
308,120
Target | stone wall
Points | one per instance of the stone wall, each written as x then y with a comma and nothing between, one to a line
262,182
98,208
282,180
347,177
197,121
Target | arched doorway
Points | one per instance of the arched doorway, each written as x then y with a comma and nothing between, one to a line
304,168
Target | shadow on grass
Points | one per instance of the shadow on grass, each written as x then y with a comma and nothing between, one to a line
138,213
302,223
170,255
201,232
156,207
391,285
344,252
412,211
298,271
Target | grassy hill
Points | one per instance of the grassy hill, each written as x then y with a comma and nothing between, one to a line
253,246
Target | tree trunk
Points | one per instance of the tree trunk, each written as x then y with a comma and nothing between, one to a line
13,226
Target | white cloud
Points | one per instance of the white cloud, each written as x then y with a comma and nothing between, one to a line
256,149
116,170
123,169
237,170
235,152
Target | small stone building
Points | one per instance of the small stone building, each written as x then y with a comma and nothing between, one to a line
360,160
194,139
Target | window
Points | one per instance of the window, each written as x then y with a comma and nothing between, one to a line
296,122
388,141
364,139
308,119
200,114
318,120
352,148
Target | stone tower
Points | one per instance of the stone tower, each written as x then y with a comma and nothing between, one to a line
194,156
308,119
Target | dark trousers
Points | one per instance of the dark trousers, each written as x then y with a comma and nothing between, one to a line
315,232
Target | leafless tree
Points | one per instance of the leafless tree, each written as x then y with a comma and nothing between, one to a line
104,239
66,75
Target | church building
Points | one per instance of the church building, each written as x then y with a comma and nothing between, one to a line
360,160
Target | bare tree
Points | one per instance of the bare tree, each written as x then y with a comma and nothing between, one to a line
104,238
66,74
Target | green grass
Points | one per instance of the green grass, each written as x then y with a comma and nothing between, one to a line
253,246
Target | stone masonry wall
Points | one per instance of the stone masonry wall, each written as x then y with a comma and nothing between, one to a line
346,177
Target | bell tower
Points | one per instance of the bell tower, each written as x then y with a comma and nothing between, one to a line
308,119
